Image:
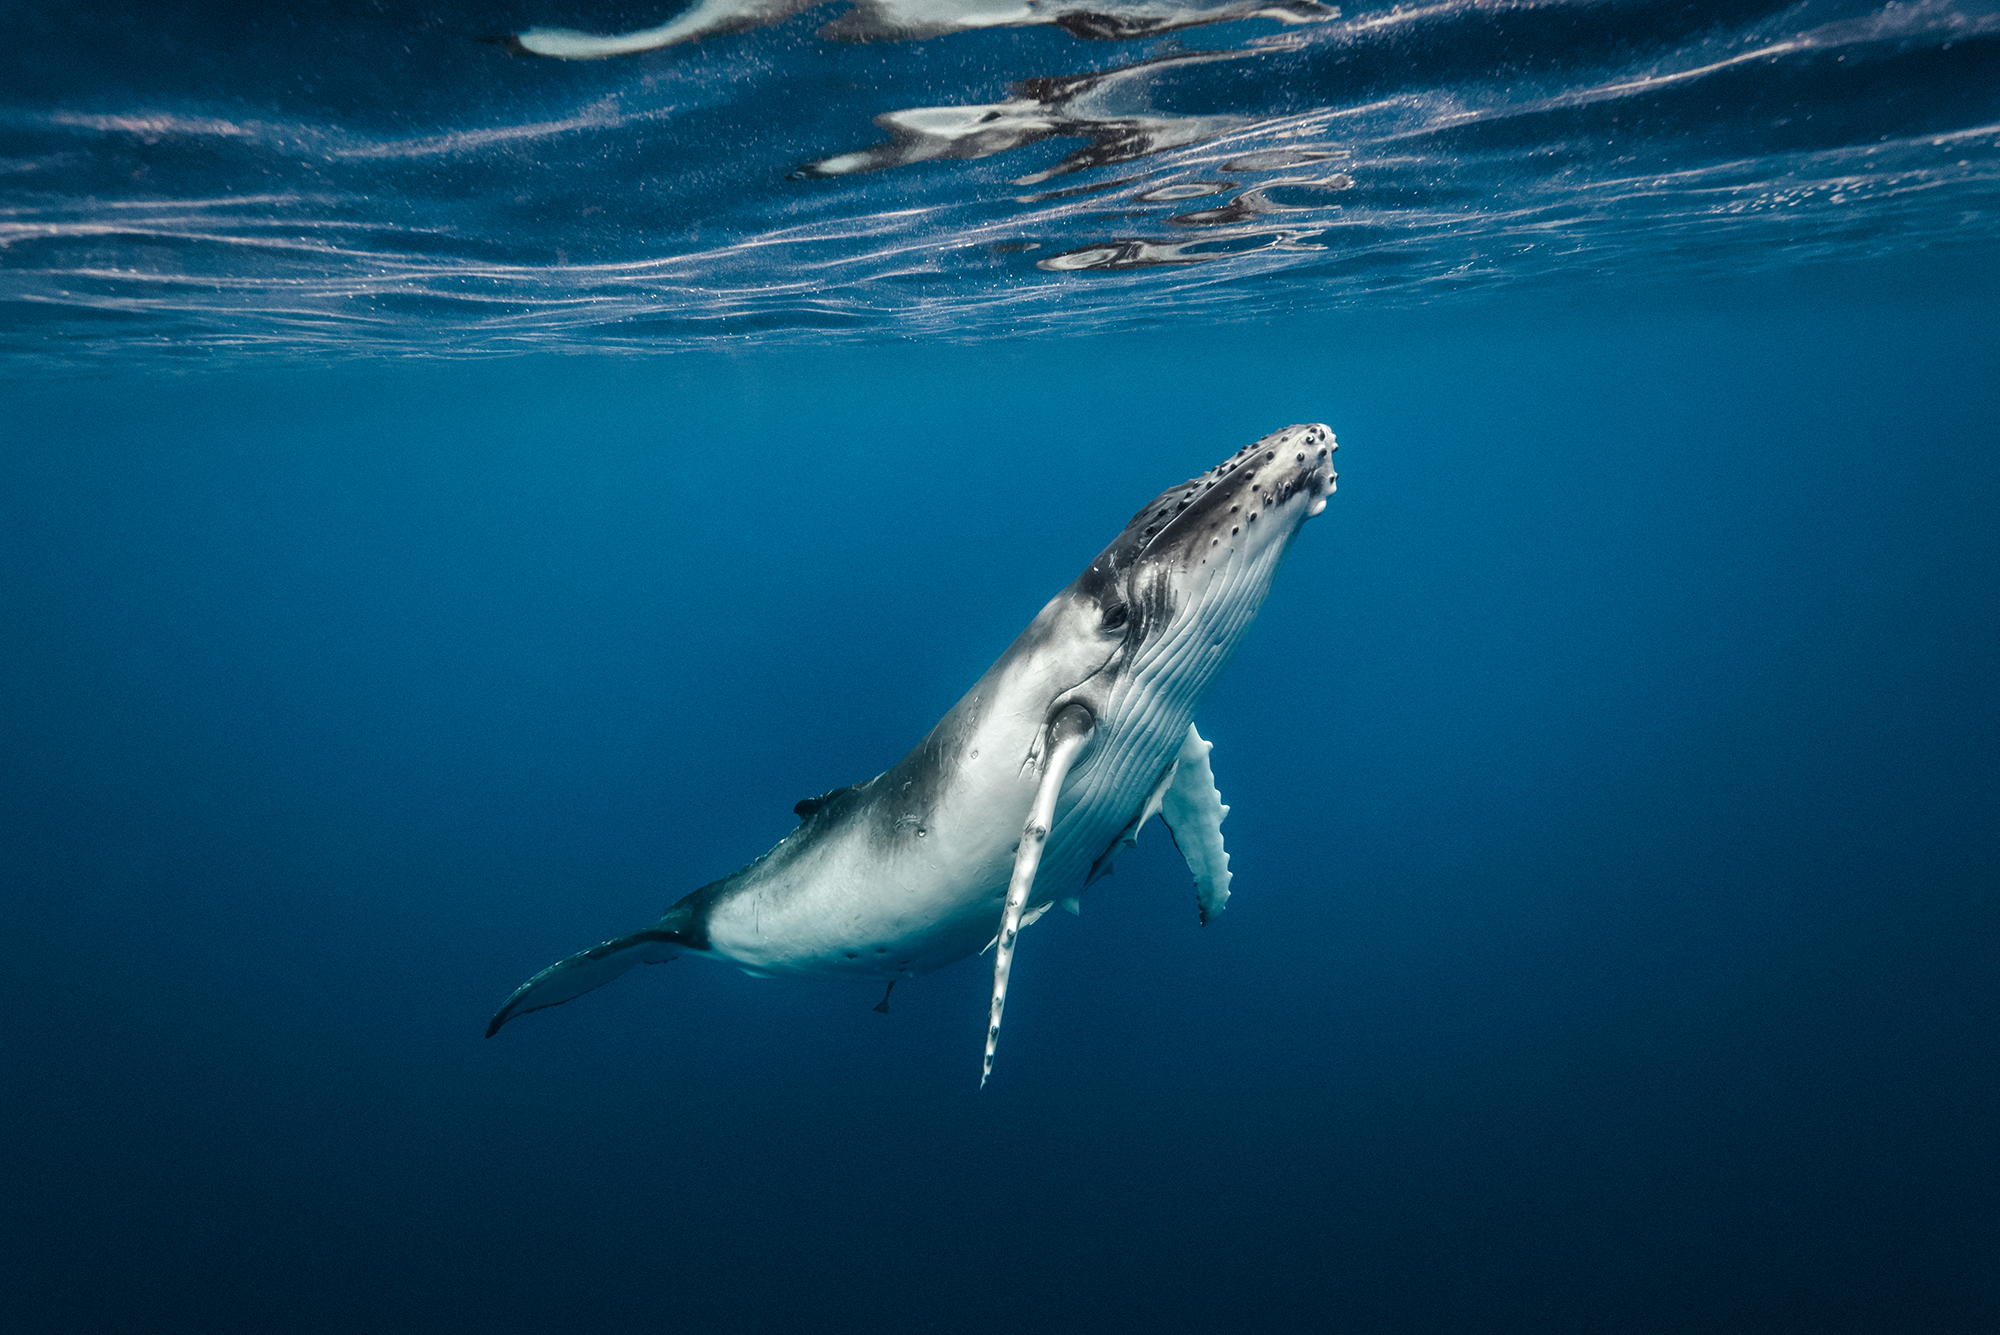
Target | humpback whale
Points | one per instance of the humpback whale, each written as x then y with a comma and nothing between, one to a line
1029,788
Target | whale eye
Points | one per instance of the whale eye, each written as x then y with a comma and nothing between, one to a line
1114,616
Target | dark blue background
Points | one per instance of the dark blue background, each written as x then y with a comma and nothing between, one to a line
1614,784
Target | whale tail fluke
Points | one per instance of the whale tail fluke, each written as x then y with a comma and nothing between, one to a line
568,979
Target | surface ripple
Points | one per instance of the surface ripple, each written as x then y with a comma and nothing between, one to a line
353,182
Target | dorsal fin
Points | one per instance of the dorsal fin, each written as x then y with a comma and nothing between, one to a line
806,806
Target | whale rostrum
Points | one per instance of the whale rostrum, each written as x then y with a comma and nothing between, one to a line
1025,793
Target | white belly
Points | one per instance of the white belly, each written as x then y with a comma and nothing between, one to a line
856,907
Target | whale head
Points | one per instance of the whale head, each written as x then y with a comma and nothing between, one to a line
1173,594
1208,547
1137,639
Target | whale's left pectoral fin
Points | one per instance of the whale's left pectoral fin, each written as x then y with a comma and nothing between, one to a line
1193,812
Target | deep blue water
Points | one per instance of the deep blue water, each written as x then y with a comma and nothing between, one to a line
1613,775
453,503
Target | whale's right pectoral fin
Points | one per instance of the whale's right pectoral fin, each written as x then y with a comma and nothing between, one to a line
1068,732
571,978
1193,811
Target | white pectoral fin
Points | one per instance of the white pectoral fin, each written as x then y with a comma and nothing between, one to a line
1193,811
1067,735
571,978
